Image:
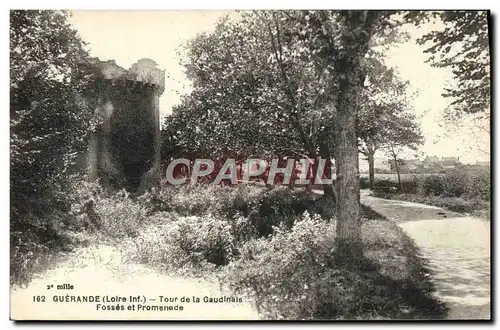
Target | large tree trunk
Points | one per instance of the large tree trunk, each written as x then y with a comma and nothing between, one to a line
348,241
355,38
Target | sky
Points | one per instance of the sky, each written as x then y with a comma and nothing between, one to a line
127,36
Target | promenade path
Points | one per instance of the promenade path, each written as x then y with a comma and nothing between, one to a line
457,247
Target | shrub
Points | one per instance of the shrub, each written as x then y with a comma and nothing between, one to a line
114,215
293,275
185,244
459,184
364,183
277,271
455,183
27,253
278,206
264,209
411,186
433,185
455,204
459,190
480,185
386,183
37,234
35,240
193,200
202,199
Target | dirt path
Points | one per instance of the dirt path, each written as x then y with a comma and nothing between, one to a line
99,271
457,247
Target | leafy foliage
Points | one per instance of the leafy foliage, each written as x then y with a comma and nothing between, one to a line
113,214
463,46
186,245
249,97
289,82
253,211
49,119
458,184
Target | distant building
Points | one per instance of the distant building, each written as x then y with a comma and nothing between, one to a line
430,161
450,162
427,165
405,165
381,165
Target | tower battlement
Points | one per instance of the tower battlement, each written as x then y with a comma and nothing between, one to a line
145,71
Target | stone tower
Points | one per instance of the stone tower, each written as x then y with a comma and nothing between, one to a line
124,150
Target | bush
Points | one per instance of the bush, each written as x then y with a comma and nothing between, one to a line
480,185
455,184
456,204
293,275
364,183
185,245
113,215
233,217
411,186
273,271
264,209
459,184
280,207
28,252
458,190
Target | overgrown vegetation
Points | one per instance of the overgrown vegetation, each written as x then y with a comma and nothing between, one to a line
49,122
273,245
294,275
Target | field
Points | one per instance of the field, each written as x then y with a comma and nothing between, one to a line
394,176
459,190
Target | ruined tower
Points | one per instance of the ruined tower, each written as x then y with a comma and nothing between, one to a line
124,149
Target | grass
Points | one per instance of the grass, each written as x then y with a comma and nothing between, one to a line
475,207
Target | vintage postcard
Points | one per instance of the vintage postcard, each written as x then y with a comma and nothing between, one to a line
250,165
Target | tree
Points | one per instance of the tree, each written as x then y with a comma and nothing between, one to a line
384,99
255,92
403,133
340,41
280,72
462,46
49,117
